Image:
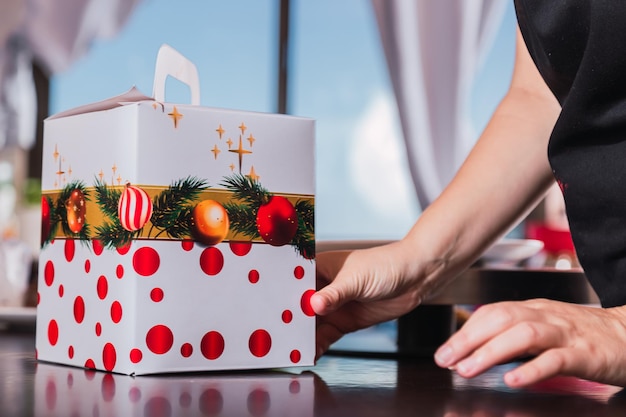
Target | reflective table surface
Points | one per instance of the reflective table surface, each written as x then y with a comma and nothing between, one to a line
339,385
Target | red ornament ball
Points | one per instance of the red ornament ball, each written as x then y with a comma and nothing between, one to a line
45,220
209,222
134,208
76,209
277,221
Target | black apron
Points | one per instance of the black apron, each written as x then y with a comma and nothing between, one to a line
579,47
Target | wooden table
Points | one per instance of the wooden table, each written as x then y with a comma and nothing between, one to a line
336,386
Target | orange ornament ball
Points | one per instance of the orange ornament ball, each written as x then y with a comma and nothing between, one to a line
210,223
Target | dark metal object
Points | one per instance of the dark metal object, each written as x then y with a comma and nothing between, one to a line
283,56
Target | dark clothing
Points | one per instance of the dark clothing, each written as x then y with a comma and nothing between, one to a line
579,47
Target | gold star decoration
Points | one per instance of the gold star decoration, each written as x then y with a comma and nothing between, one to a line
252,175
220,131
251,139
114,168
230,143
215,151
232,167
240,151
69,171
119,179
243,128
176,116
55,154
101,175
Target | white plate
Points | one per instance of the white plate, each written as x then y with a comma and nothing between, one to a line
505,250
512,250
18,315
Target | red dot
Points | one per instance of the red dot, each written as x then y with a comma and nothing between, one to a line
102,287
211,261
298,272
70,249
116,312
156,295
287,316
187,244
123,250
186,350
240,248
61,291
146,261
119,271
98,247
79,309
98,329
260,343
253,276
305,303
48,273
38,298
109,357
159,339
136,355
295,356
70,352
87,265
90,364
212,345
53,332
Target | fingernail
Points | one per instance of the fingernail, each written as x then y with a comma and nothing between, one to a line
466,366
443,356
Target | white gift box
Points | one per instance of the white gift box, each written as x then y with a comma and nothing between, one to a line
176,237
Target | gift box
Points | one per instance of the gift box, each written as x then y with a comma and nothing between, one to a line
65,391
176,237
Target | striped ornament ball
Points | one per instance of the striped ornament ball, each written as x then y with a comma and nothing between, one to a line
134,208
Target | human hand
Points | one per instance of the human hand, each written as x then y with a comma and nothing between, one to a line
364,287
565,339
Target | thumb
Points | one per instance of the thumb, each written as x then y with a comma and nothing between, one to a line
334,295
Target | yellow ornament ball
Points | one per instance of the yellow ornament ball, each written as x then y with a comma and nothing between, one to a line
209,222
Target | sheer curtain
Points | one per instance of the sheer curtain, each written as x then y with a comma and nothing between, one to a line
433,49
54,34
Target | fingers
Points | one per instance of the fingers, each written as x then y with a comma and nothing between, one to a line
546,365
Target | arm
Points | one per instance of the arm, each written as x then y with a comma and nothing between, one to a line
503,177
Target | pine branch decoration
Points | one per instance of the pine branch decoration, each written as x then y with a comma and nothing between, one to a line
242,218
247,190
172,207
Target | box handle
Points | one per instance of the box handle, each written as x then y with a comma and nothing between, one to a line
173,63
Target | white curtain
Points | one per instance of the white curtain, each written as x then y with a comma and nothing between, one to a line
54,33
433,49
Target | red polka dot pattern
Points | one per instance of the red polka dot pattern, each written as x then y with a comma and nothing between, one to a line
48,273
109,357
146,261
98,247
123,250
211,261
159,339
70,249
260,343
298,272
53,332
98,299
287,316
116,312
187,245
240,248
212,345
136,356
79,309
253,276
102,287
305,303
186,350
156,295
